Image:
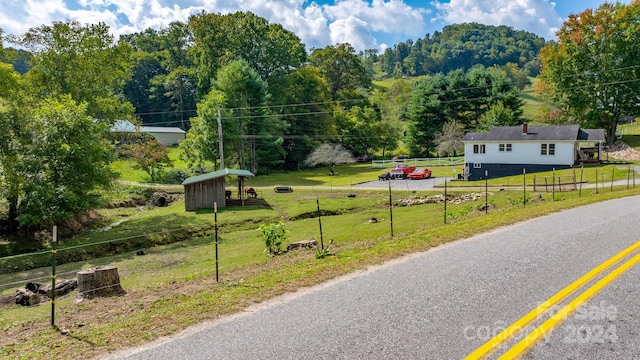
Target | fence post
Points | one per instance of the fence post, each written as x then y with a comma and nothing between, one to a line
524,187
215,225
581,174
319,222
553,185
390,209
613,172
54,250
486,191
445,199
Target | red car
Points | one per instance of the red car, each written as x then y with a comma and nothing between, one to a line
407,169
418,174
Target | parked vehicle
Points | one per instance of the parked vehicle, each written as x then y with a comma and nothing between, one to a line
363,158
393,174
419,174
401,157
407,169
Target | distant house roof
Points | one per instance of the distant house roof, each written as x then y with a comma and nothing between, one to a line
127,126
537,133
217,174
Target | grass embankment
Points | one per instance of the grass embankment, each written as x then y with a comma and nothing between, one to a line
174,286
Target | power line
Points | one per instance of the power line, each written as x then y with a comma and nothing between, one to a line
379,108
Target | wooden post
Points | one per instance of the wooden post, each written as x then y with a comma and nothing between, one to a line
581,174
613,173
524,187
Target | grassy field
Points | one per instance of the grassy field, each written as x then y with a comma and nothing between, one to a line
173,286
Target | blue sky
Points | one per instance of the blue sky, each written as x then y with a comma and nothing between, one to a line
366,24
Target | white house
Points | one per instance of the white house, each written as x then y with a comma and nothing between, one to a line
165,135
507,150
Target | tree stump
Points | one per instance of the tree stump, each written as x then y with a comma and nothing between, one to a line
99,281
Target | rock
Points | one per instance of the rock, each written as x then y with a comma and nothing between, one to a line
373,220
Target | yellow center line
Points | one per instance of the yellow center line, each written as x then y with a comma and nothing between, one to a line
490,346
561,315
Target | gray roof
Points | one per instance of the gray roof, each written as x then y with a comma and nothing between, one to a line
127,126
217,174
537,133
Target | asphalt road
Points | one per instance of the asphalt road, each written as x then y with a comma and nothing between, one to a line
445,303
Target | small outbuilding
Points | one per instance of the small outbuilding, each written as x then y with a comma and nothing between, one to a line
202,191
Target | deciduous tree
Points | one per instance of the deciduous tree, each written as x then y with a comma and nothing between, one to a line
82,62
593,69
150,156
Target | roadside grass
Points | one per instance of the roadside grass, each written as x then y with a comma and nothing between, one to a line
173,286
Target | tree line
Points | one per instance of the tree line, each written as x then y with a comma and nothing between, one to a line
463,46
277,103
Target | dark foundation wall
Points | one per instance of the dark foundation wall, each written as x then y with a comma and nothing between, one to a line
501,170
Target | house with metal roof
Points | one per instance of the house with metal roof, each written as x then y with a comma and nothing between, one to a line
202,191
167,136
510,150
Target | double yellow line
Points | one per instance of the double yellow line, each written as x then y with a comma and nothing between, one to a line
554,320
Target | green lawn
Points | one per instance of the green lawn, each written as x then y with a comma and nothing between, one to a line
173,286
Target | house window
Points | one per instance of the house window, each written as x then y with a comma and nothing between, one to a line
479,149
504,147
477,166
547,149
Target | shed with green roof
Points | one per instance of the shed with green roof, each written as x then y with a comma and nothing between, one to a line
202,191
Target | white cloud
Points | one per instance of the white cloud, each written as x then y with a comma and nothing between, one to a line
353,31
353,21
537,16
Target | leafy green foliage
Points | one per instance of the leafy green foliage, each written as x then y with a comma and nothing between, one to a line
588,70
274,235
460,96
322,253
341,68
220,39
150,156
462,46
67,160
82,62
307,114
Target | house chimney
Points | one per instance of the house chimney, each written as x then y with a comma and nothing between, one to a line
525,128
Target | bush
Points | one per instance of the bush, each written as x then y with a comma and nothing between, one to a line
274,235
173,176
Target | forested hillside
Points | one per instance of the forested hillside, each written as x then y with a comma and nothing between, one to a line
276,103
463,46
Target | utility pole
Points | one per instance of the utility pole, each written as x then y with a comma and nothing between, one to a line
220,140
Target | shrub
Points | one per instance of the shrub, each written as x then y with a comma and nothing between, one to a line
274,235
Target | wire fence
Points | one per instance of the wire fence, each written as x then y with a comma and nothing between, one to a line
42,264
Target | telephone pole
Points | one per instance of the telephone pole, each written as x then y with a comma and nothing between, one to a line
220,140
